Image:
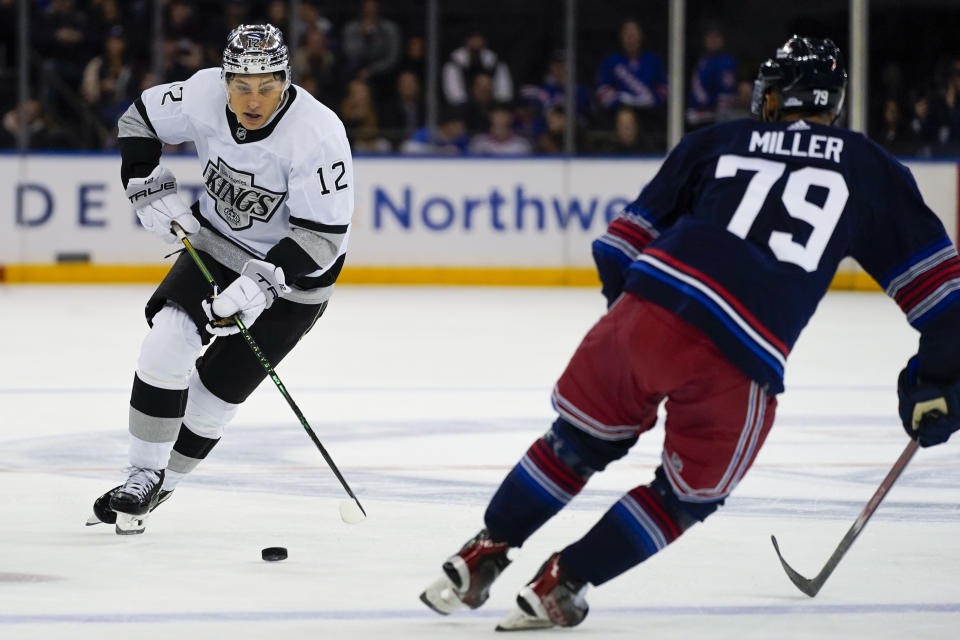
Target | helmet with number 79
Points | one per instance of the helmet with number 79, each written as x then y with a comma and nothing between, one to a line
806,74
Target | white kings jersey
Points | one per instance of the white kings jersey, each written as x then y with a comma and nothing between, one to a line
285,189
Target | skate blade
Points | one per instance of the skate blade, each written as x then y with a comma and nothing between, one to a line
517,620
441,597
129,524
93,519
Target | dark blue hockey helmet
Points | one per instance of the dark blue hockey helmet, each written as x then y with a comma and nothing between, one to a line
808,76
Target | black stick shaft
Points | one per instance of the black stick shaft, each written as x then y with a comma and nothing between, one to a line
258,353
812,586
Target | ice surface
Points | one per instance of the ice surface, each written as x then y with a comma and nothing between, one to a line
425,397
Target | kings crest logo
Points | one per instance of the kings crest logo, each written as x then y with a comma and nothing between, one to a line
238,200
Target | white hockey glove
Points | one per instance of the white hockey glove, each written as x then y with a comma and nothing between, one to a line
157,204
259,284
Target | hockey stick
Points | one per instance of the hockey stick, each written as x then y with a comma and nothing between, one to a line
351,512
812,586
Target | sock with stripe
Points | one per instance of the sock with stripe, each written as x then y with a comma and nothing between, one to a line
547,477
188,451
640,524
203,425
155,417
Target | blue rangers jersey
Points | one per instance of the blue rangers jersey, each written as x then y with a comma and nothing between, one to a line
742,229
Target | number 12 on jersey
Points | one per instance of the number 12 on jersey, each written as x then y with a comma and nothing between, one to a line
823,218
339,169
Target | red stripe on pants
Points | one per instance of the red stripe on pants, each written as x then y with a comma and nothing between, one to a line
637,355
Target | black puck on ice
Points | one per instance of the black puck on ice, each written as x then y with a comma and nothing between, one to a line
272,554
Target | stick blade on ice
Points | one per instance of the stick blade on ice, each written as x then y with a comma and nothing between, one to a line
350,512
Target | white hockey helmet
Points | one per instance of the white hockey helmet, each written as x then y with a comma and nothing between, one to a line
256,48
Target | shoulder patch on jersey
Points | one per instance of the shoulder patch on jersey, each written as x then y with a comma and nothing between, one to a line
799,125
238,200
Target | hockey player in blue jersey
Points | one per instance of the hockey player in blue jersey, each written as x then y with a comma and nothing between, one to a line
710,275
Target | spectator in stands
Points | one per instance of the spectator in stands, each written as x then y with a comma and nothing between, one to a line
309,84
103,16
360,119
41,132
449,138
316,61
926,132
356,110
500,139
8,48
184,57
476,112
951,102
552,91
310,16
467,61
528,120
367,140
371,47
181,22
894,136
552,139
403,114
414,57
61,35
633,78
232,13
740,107
108,82
713,86
278,14
627,136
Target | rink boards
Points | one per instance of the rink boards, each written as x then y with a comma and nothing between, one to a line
418,220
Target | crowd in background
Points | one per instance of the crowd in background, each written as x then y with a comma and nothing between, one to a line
94,57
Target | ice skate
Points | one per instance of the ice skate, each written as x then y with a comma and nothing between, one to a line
133,501
468,575
553,598
102,513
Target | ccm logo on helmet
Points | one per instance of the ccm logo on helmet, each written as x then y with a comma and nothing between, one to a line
150,191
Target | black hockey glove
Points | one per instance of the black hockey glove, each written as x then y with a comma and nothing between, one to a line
930,413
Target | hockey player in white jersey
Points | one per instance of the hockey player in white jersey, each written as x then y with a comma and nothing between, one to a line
272,226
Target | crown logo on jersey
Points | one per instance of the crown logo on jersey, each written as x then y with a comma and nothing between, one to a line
236,196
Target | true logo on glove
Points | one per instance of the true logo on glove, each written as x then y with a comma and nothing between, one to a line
145,193
269,287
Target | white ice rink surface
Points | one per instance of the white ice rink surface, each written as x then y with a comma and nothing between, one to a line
425,397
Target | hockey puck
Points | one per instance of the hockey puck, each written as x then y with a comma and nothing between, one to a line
273,554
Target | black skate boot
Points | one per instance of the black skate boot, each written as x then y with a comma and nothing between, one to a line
135,499
468,575
103,513
554,598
